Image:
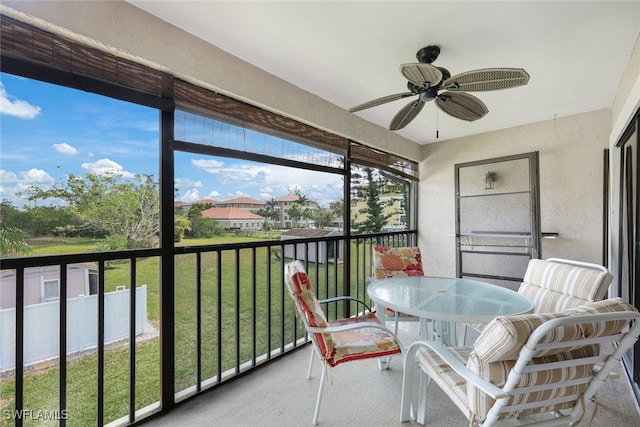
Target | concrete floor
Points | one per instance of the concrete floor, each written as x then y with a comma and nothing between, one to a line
358,394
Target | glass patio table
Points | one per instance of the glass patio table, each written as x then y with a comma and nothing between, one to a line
447,301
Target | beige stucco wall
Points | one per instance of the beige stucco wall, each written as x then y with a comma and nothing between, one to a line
121,27
571,185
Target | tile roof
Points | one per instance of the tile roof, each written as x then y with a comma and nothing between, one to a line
245,200
287,198
229,213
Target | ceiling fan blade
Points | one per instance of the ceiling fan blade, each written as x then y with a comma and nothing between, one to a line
408,113
461,105
487,79
418,74
380,101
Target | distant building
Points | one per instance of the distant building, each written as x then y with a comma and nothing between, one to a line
243,203
185,206
234,218
42,284
284,203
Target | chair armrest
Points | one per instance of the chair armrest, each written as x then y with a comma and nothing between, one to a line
455,364
345,298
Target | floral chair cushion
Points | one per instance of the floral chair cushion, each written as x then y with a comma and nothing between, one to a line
306,301
361,343
394,262
338,347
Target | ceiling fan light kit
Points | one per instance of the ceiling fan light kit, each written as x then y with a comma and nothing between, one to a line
449,93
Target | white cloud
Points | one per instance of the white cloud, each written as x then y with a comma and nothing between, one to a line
181,183
17,183
239,193
65,148
190,196
106,166
210,166
213,195
266,193
33,176
16,107
7,176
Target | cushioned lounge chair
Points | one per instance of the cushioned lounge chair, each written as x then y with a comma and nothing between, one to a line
527,365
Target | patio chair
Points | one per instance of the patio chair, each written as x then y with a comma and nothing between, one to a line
557,284
396,262
541,368
343,340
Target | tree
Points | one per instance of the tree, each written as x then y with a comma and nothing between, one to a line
107,206
337,210
322,217
200,225
11,215
295,212
45,220
376,219
270,213
180,224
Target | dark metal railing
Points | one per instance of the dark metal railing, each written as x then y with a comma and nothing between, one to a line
231,310
20,412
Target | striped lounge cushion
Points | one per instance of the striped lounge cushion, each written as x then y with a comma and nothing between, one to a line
554,286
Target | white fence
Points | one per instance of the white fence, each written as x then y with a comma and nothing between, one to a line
42,326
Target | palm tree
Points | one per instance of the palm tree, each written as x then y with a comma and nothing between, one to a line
12,242
295,212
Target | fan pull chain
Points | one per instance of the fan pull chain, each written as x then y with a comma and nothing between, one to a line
437,124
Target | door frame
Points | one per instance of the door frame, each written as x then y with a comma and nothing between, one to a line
629,203
534,188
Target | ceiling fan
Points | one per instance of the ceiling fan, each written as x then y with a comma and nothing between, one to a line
432,83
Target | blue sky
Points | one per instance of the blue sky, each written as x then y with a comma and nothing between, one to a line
49,131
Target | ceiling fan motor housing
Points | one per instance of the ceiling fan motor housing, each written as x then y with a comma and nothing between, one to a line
428,54
428,93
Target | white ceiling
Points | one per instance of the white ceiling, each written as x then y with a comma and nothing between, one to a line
350,52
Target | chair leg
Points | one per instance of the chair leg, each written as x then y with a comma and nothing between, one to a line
319,399
383,363
423,328
313,354
462,339
395,330
425,382
406,401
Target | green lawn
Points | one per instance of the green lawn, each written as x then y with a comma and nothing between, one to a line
61,245
41,388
